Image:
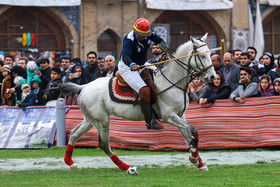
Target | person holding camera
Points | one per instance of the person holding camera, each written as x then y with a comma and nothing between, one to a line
77,75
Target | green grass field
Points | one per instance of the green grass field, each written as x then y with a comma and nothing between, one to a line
260,174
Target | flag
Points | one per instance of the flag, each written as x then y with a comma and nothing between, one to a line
251,27
259,37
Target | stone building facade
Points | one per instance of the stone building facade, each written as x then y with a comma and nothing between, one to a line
100,25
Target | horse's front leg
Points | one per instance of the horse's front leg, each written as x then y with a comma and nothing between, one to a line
190,135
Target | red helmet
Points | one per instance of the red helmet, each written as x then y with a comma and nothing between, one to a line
142,27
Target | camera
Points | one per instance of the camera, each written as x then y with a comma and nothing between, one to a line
75,75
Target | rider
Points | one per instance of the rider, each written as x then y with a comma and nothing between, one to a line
134,54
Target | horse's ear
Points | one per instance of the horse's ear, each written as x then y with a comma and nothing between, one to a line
204,37
192,40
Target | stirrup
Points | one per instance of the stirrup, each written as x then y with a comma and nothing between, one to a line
154,125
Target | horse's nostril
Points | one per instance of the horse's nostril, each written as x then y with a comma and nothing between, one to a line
212,77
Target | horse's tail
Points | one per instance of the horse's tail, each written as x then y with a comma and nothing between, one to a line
71,88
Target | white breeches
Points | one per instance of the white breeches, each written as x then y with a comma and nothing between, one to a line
132,78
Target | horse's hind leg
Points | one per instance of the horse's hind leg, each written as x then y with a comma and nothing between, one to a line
104,144
76,133
190,135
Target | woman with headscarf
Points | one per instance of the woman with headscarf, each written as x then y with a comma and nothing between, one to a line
196,88
216,90
268,60
275,72
265,87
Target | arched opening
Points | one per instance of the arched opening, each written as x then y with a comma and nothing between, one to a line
47,33
107,44
271,27
186,24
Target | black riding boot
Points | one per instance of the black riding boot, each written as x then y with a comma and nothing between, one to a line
151,122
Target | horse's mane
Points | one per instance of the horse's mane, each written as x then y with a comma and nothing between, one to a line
183,48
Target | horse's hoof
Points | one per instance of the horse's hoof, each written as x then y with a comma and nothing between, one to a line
203,169
74,166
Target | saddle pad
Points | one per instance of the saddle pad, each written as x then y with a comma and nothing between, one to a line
121,94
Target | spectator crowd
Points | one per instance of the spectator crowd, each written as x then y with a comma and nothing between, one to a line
30,82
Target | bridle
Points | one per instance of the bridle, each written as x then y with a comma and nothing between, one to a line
187,67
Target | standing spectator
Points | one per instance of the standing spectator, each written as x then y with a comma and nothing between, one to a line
6,93
17,89
261,60
35,87
217,63
18,71
236,56
246,62
65,64
22,62
92,66
77,75
9,60
52,89
27,96
246,89
75,61
276,86
216,90
44,73
231,72
111,66
269,64
196,88
101,72
265,87
1,76
253,54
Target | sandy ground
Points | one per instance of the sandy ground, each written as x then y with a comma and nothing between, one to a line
210,158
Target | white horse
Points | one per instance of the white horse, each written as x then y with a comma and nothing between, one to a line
95,102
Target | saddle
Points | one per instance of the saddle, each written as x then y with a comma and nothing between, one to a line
121,92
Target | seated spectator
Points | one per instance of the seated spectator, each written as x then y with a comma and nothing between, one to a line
276,86
6,92
265,87
196,88
275,72
31,71
52,90
27,96
77,75
246,88
216,90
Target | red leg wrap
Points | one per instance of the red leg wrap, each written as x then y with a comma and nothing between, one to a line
119,163
200,163
68,155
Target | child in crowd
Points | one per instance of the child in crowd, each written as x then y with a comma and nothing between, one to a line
276,86
52,90
35,87
265,87
27,96
31,68
6,92
17,89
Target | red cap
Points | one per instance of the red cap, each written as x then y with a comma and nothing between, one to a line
142,27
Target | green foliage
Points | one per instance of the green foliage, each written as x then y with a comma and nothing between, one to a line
262,174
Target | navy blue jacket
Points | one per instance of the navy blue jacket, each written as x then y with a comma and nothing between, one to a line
136,51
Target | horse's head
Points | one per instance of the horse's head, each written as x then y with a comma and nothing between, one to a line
201,62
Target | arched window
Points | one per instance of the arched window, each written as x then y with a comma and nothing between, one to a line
186,24
271,26
107,44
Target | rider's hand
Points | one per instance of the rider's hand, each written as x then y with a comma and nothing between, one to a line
135,68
